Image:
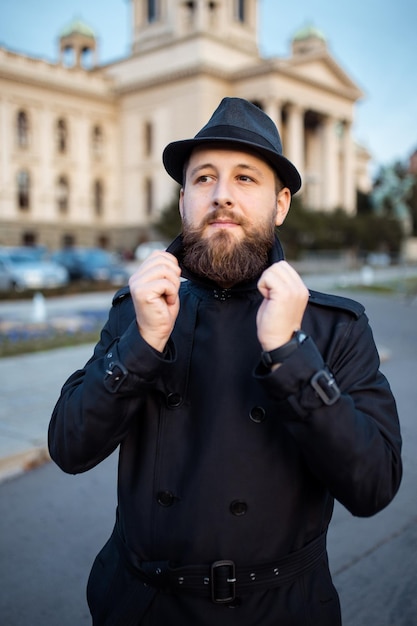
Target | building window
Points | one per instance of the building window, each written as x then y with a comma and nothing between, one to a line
148,196
23,190
68,240
97,141
29,238
61,136
62,194
98,197
148,139
103,242
153,10
240,10
22,129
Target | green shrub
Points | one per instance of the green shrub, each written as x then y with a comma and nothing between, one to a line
307,231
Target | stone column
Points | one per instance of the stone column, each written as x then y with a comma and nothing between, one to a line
6,149
272,107
329,165
201,20
9,213
294,147
80,208
348,174
47,162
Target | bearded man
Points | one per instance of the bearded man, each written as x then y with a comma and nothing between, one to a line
243,404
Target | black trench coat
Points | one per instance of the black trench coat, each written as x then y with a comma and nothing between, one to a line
221,459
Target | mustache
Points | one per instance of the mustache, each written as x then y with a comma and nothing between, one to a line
223,214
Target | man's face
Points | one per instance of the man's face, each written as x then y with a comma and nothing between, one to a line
230,206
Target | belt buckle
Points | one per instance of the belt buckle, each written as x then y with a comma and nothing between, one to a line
223,581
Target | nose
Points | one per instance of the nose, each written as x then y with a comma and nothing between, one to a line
222,196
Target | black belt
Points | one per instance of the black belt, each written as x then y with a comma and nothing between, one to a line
223,580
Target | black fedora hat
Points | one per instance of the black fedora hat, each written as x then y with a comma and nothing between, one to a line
241,124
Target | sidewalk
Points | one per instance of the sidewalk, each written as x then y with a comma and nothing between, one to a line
30,387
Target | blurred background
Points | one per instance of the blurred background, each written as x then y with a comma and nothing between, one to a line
92,92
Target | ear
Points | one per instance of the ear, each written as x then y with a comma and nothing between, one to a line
181,203
283,205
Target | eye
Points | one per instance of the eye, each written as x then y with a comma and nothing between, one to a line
245,178
203,178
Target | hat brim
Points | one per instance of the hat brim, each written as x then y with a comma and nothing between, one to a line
177,153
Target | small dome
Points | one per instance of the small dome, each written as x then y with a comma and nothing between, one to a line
78,45
77,27
309,32
308,40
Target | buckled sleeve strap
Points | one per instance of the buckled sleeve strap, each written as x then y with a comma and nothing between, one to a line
130,362
303,382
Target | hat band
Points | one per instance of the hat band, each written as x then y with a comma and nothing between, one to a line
228,132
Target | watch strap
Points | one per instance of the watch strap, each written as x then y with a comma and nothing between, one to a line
279,355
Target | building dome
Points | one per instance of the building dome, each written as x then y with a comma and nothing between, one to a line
79,41
308,39
309,32
77,27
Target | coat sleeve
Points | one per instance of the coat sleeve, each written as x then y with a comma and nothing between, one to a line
97,403
354,445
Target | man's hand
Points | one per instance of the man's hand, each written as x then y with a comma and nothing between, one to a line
154,288
285,300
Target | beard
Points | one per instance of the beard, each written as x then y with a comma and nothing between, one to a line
223,259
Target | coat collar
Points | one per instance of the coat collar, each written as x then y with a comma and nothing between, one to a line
177,249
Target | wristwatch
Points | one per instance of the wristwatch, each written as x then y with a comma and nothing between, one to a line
280,354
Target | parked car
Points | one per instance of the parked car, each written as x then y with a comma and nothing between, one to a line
25,268
145,249
93,264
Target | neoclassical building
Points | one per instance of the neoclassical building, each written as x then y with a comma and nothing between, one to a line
81,142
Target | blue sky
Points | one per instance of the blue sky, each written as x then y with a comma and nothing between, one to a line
374,42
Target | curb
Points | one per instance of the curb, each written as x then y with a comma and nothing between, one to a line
384,354
22,462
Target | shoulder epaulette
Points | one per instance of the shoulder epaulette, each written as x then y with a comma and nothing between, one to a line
120,295
336,302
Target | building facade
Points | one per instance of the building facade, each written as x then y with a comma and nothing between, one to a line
81,143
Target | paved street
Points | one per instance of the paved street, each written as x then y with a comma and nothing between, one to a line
52,524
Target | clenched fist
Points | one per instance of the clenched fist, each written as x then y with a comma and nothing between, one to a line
282,309
155,293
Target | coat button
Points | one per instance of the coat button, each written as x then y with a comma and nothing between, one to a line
173,400
165,498
257,414
238,507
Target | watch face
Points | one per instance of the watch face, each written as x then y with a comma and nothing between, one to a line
300,335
